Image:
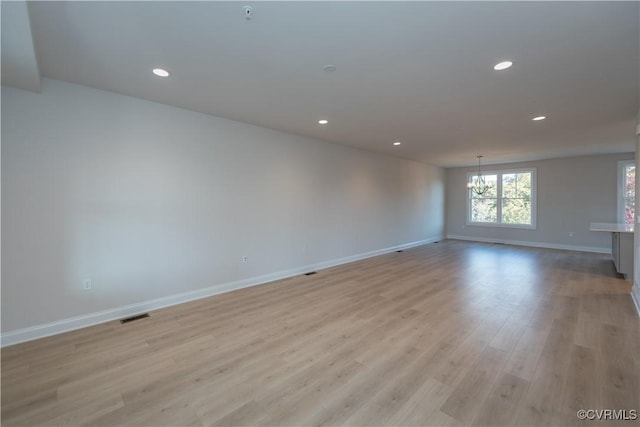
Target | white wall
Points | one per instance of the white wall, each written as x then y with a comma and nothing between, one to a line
149,201
572,193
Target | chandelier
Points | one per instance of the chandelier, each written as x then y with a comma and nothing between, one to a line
479,185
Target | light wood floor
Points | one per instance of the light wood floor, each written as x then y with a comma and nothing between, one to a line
452,333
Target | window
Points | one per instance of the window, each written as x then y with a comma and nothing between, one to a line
511,201
626,191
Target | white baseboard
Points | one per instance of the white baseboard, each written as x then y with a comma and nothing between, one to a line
78,322
532,244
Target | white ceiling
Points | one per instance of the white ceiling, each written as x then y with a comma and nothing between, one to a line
418,72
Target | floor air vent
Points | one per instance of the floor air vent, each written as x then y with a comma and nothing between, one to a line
311,273
132,318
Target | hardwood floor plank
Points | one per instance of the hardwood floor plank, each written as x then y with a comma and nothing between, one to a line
542,405
340,406
500,407
468,397
421,408
620,365
580,391
524,358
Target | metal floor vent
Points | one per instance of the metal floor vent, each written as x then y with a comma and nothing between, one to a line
311,273
132,318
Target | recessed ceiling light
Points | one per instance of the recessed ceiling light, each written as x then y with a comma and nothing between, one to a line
397,143
323,122
502,65
536,119
329,68
160,72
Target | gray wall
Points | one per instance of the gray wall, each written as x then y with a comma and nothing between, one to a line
572,193
149,201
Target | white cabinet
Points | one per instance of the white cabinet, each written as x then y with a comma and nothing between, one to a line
621,245
622,251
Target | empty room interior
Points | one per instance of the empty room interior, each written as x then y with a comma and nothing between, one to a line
320,213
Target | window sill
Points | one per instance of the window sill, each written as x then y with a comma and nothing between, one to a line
493,224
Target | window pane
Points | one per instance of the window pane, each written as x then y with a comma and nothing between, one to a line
630,181
524,186
516,211
509,185
516,185
484,210
492,181
629,210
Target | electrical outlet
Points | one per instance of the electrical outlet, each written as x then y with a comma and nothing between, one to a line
245,259
86,284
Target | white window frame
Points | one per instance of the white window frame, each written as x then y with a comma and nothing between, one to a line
622,165
499,173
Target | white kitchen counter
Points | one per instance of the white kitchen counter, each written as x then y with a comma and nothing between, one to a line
611,227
